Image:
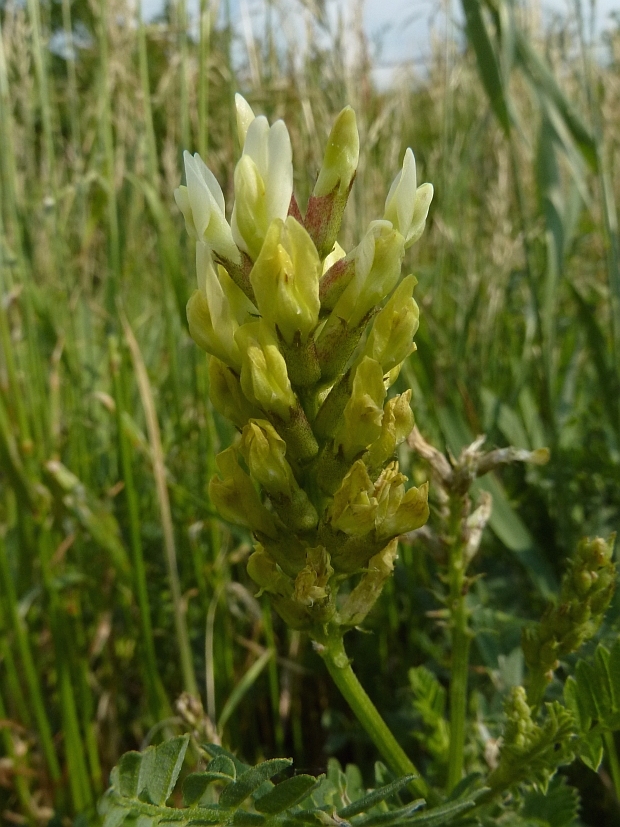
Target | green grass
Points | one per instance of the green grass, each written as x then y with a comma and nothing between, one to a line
114,568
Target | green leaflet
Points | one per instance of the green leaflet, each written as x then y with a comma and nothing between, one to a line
558,807
593,696
142,783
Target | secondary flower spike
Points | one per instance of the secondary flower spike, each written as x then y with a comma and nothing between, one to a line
305,340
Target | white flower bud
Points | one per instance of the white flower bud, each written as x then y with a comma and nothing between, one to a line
263,183
406,205
202,205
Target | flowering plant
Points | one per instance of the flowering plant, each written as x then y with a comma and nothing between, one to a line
305,342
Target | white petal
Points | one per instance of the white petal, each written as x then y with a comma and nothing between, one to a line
256,144
424,196
211,182
400,201
245,116
200,198
407,189
279,181
205,268
182,198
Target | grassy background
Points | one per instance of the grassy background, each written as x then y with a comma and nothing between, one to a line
119,589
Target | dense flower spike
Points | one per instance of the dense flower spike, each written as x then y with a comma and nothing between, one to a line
304,342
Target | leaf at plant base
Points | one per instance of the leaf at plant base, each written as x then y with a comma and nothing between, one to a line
250,780
197,783
385,819
374,797
287,794
591,750
558,807
160,768
128,774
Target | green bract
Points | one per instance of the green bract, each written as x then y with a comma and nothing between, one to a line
304,343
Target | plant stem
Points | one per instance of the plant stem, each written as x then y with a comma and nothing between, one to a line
30,672
614,763
458,696
339,667
461,639
159,472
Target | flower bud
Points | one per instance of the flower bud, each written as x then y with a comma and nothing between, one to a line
226,395
202,205
264,378
264,452
263,184
378,258
391,337
311,582
235,497
331,191
285,279
399,511
377,261
216,309
406,205
336,255
269,578
266,574
245,116
364,411
335,280
365,594
341,155
354,506
396,425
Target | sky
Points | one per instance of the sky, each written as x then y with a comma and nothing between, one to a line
399,30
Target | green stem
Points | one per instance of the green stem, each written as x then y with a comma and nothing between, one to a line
614,763
461,639
537,685
458,699
339,667
30,672
21,786
157,699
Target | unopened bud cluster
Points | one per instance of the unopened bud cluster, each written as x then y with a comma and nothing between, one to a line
587,588
305,342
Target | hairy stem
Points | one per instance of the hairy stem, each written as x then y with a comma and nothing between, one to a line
461,638
339,667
